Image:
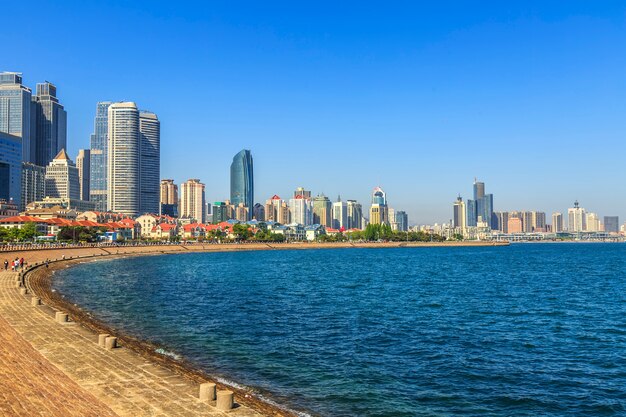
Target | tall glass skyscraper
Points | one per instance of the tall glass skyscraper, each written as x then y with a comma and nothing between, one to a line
48,124
150,165
10,168
242,181
98,163
15,108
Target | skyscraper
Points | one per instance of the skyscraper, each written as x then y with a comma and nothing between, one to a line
48,124
611,224
192,200
340,214
62,178
83,165
470,210
15,111
322,211
149,162
10,168
123,159
355,215
502,219
557,222
301,210
169,198
402,220
379,212
479,190
133,160
576,219
300,191
33,184
458,214
242,180
258,212
98,156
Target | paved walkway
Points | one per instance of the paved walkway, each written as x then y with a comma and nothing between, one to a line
53,369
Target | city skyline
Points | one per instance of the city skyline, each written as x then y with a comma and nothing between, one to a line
511,103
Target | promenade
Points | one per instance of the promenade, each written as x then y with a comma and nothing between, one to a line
53,369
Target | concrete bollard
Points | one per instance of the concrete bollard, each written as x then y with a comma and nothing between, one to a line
110,343
23,291
207,391
225,400
35,301
101,339
60,317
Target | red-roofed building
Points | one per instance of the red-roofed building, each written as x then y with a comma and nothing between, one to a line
164,231
20,221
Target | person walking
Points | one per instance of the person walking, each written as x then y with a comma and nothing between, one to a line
6,264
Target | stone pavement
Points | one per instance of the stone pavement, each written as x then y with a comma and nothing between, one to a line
53,369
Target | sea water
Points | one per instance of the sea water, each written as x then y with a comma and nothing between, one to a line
525,330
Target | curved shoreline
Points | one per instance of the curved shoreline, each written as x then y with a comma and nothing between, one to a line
39,280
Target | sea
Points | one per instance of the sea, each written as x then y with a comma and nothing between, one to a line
520,330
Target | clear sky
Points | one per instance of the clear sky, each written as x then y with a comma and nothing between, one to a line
339,98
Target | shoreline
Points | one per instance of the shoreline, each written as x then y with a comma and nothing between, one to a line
39,280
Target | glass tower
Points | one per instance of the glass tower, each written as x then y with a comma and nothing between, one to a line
242,181
48,124
149,166
98,163
10,168
15,108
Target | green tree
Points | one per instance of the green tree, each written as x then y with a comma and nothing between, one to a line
28,231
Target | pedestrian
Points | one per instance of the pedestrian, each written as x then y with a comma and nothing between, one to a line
22,263
46,262
6,264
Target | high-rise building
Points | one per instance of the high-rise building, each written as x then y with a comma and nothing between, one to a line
192,201
242,213
514,224
15,112
527,221
48,124
33,184
300,191
539,221
98,151
123,159
355,215
83,164
133,156
459,214
402,220
277,210
470,210
379,212
479,190
593,222
611,224
169,198
242,180
502,219
322,210
301,210
10,167
62,178
222,211
340,214
258,212
576,219
150,162
557,222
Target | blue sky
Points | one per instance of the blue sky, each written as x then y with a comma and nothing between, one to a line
530,97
